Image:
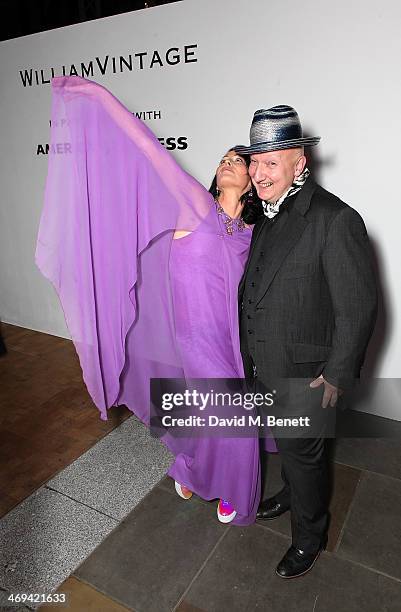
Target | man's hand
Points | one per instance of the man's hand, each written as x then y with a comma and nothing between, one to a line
331,393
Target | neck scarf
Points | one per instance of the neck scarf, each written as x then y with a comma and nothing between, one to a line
271,209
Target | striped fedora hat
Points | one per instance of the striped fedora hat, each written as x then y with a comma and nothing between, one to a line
276,128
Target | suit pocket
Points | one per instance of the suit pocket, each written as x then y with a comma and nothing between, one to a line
299,270
309,353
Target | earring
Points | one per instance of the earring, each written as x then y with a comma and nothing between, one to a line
217,191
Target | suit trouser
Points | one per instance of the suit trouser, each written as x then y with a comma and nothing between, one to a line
305,475
306,490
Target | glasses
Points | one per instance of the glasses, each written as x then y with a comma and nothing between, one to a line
236,159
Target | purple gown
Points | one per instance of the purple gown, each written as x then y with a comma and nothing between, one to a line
211,265
139,304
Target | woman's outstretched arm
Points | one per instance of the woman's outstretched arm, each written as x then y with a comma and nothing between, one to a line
185,189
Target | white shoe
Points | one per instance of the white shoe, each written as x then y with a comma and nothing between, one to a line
182,491
225,511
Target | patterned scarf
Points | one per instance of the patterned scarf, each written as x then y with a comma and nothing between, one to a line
271,209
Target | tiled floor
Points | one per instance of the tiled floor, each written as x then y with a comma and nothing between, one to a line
93,514
47,418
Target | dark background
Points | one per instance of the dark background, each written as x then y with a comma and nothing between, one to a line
21,17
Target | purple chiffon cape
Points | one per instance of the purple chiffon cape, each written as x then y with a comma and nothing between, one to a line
137,303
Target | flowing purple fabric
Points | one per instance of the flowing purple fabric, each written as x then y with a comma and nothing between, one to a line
139,304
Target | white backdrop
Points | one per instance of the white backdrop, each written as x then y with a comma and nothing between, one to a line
335,62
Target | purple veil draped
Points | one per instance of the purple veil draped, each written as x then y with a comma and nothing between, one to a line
113,197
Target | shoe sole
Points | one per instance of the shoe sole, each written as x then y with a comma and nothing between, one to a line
226,519
179,491
303,573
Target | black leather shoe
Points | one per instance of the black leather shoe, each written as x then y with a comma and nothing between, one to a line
296,563
271,509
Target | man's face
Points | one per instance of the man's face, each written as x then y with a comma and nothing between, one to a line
273,172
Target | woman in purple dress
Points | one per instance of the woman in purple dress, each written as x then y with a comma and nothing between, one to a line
146,263
208,338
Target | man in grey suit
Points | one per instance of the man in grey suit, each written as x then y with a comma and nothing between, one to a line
307,310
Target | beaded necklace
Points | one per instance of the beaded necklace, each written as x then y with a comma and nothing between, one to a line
230,223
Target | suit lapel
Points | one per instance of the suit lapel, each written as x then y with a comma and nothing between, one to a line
288,237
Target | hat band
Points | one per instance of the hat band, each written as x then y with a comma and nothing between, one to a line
266,130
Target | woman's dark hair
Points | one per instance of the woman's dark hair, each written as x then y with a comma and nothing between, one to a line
253,208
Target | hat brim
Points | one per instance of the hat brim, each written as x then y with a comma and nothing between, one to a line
264,147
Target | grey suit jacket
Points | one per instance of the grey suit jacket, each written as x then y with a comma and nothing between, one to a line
316,302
